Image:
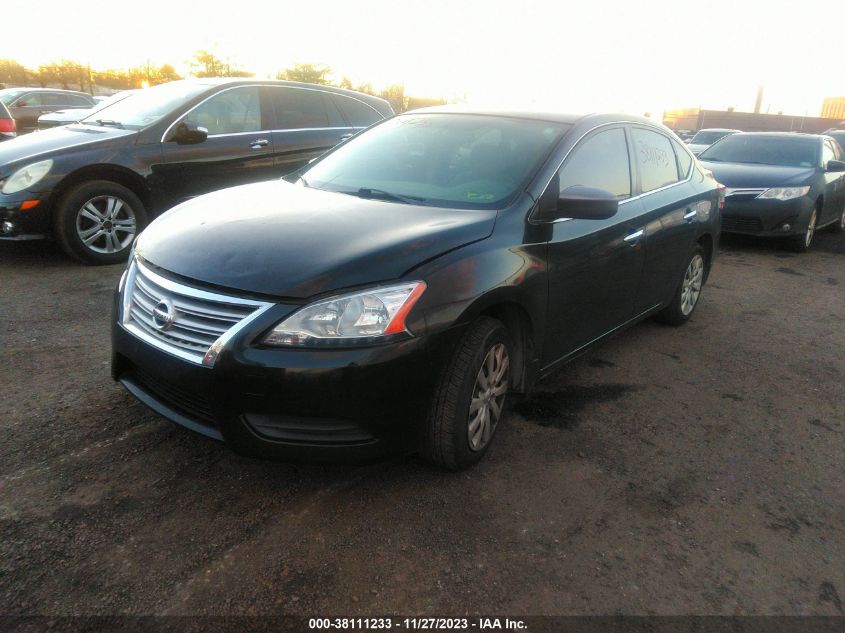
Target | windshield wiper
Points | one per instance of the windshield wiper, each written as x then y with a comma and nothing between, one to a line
367,192
110,122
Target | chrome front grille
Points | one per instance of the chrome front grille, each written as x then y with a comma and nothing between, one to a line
181,320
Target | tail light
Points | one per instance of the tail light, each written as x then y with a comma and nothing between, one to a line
8,126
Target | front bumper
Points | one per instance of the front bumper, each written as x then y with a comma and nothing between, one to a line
293,404
20,224
768,218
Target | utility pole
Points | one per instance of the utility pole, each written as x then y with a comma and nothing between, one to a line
759,103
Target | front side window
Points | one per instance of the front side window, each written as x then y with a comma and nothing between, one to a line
452,160
600,162
299,108
229,112
827,153
655,159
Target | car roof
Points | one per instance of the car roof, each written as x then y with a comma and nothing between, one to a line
538,115
785,135
241,81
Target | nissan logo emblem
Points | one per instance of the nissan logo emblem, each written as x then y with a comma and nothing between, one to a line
163,315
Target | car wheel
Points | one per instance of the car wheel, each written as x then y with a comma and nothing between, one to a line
685,299
801,243
839,226
97,221
470,397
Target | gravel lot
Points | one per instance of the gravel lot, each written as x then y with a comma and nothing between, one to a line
672,471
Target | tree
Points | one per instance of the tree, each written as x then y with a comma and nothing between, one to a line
345,83
307,73
11,72
366,88
209,65
395,94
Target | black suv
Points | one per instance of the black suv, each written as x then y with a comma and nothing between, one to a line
96,184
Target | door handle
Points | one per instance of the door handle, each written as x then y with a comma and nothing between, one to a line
259,143
346,136
689,216
633,238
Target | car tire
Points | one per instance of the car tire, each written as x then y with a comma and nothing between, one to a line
839,225
688,292
801,243
96,222
470,397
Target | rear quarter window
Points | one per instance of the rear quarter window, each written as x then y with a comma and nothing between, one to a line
358,114
684,159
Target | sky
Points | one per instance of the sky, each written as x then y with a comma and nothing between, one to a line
588,55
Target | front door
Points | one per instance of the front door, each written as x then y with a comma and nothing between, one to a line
594,265
238,150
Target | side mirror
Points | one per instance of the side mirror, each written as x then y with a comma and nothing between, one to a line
189,134
835,165
584,203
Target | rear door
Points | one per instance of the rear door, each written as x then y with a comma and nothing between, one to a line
670,214
594,265
238,150
306,125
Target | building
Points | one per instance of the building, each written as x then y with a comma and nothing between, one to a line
694,119
834,108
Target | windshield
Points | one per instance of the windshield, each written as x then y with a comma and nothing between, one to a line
7,96
452,160
765,150
110,101
146,106
707,137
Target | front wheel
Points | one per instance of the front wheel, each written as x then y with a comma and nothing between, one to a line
97,221
470,397
686,296
801,243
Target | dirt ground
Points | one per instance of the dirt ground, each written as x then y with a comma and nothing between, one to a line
696,470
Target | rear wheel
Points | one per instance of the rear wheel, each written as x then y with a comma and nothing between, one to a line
686,296
97,221
801,243
470,397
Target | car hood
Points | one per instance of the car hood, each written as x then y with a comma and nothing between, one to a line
737,175
47,143
287,241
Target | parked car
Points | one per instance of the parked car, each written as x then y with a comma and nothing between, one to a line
705,138
780,184
27,104
8,129
94,185
74,115
409,279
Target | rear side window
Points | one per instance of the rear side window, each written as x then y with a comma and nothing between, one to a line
298,108
684,159
358,114
655,158
78,101
229,112
600,162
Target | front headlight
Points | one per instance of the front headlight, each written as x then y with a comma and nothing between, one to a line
784,193
350,319
27,176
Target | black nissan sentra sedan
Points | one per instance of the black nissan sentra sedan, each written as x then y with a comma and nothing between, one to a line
395,292
94,185
781,184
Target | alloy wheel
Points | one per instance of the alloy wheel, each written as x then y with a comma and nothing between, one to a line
811,229
106,224
691,287
488,397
